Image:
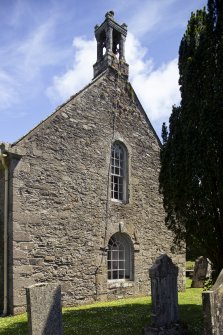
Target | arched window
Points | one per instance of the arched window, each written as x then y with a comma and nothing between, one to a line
119,170
120,257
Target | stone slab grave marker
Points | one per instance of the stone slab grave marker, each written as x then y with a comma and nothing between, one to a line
213,308
44,309
202,271
165,314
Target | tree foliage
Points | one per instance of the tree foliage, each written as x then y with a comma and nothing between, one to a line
191,177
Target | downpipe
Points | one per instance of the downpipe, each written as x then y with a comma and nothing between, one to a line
3,157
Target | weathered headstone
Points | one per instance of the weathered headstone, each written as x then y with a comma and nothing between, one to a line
44,309
213,308
202,271
165,314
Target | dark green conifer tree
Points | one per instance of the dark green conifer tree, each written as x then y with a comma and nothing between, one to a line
191,177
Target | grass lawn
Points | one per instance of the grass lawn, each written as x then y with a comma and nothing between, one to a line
122,317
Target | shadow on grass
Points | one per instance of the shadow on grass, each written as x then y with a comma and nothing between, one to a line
118,320
124,320
193,317
127,319
15,328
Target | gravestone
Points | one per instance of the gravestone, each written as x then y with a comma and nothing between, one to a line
44,309
165,313
213,308
202,271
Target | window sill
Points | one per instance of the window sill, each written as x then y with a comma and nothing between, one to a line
119,202
119,283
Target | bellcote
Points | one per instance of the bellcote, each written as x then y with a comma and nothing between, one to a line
110,38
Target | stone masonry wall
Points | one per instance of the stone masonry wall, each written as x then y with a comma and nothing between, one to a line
62,214
1,238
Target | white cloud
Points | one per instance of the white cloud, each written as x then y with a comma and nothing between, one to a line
37,51
8,91
79,75
157,89
30,57
136,57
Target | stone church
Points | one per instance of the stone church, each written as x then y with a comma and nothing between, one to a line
79,194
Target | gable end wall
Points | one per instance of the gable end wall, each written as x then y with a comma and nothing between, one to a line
62,214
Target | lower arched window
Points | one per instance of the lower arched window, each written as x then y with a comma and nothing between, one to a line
120,257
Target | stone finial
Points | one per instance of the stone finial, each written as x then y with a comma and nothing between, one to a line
110,14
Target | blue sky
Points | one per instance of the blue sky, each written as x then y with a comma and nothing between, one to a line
48,49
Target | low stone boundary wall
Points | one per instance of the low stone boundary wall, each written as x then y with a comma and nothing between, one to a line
213,308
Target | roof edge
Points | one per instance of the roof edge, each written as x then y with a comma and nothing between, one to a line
58,108
146,117
75,95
